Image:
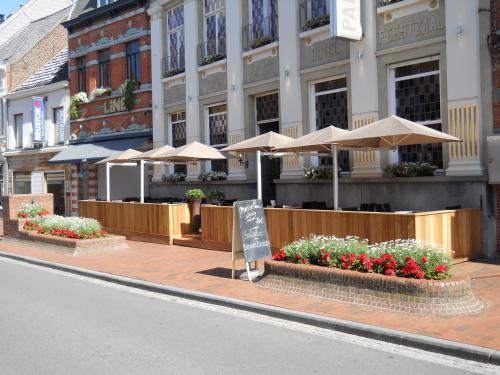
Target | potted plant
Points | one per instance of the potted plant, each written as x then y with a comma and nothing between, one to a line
195,197
216,197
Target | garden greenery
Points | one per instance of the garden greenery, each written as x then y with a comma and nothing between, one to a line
195,194
402,258
76,99
216,196
410,169
127,89
321,172
69,227
213,176
30,210
175,177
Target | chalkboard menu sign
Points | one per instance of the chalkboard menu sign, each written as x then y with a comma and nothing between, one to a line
250,231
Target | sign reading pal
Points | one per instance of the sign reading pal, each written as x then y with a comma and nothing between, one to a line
345,19
38,120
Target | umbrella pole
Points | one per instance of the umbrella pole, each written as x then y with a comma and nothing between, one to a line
259,177
142,181
108,194
335,178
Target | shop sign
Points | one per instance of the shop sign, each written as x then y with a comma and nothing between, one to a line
115,105
37,183
38,120
345,19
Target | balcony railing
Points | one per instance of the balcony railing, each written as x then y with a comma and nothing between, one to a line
259,34
383,3
173,65
212,50
313,14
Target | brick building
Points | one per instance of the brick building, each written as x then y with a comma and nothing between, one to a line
109,48
494,138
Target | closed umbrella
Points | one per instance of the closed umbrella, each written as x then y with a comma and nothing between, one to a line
259,144
124,158
317,141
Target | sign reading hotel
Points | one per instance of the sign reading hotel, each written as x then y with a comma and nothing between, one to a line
345,19
38,120
114,105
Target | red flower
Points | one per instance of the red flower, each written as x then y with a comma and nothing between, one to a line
345,266
305,261
343,258
280,255
441,268
297,256
419,275
424,259
389,272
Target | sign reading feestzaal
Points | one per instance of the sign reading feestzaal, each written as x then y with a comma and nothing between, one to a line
345,19
38,119
250,239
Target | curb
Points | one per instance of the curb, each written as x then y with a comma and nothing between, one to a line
451,348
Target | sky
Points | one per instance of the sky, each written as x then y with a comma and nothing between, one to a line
8,6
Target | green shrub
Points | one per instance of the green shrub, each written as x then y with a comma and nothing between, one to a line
216,196
410,169
195,194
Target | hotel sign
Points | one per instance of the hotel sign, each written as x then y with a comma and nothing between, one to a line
345,19
38,119
115,105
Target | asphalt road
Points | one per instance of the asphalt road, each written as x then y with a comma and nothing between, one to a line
55,323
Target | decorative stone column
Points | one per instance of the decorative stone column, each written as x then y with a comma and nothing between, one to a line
364,90
157,55
192,81
464,88
74,190
235,95
290,92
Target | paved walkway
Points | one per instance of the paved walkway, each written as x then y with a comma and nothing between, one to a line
209,271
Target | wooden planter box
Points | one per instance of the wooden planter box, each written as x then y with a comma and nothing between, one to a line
422,297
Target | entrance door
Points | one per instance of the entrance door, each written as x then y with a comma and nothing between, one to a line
83,181
55,185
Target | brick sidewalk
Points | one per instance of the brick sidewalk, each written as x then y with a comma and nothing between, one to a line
209,271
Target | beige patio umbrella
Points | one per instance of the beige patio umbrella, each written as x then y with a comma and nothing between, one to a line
317,142
193,151
151,154
262,143
388,133
125,159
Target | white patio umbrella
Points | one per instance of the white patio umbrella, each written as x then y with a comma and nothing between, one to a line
317,142
124,159
389,133
194,151
264,143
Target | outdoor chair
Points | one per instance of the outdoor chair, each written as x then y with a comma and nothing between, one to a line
350,209
379,208
457,207
387,207
364,207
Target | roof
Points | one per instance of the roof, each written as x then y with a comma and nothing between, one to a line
83,6
26,38
55,70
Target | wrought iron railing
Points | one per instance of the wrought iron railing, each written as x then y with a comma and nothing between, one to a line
260,33
173,65
383,3
212,50
313,14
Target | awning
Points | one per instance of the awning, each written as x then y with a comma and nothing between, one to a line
95,151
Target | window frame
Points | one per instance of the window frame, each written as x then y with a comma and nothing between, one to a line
207,116
81,74
179,31
391,95
170,132
18,138
217,12
107,64
312,106
57,129
133,58
259,122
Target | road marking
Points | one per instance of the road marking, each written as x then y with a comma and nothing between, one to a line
414,353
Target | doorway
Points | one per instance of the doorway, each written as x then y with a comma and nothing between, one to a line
267,111
55,185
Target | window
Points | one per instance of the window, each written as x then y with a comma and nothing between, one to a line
314,13
22,183
214,47
330,108
175,40
133,61
18,131
105,2
263,23
81,72
217,133
104,67
416,91
59,126
178,129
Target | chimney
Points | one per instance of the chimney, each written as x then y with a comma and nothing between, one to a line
2,18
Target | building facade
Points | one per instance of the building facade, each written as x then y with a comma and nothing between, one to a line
224,71
110,86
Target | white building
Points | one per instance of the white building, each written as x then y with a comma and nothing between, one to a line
227,70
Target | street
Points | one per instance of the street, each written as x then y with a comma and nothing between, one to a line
54,323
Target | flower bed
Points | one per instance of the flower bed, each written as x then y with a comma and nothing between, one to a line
401,258
31,210
68,227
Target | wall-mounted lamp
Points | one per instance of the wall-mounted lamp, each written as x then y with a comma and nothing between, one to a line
241,160
233,87
287,73
360,54
460,30
190,98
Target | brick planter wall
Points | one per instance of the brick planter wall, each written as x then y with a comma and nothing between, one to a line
11,204
421,297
